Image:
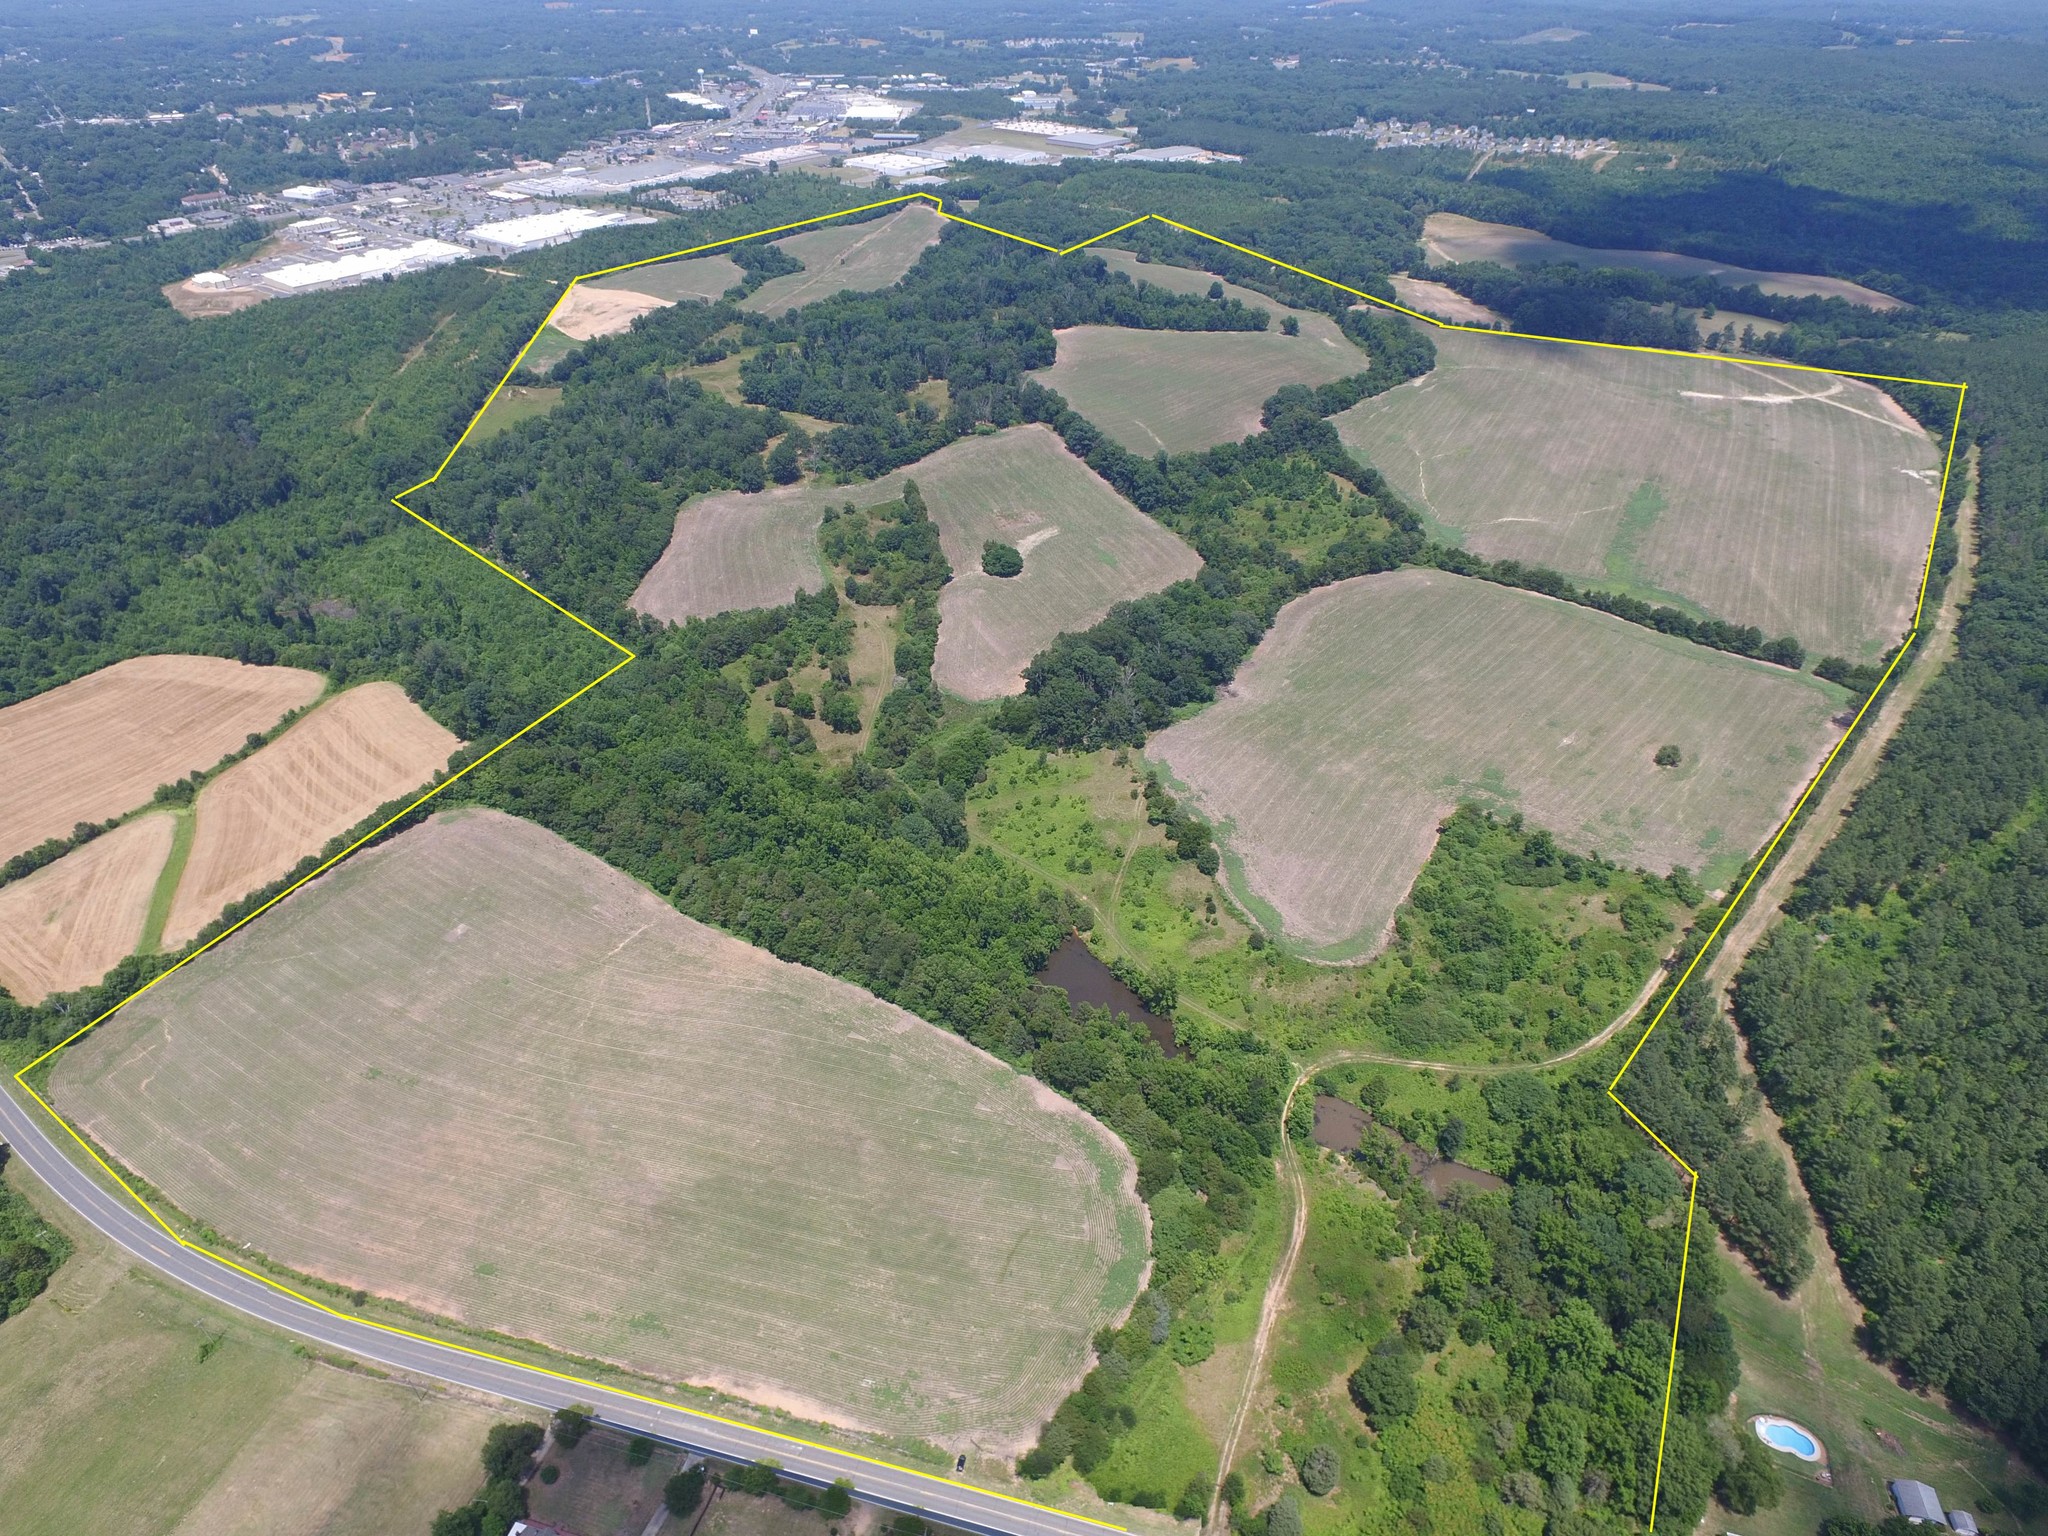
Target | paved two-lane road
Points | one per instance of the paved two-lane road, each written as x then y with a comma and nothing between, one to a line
954,1504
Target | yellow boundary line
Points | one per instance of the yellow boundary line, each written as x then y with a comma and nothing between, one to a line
626,655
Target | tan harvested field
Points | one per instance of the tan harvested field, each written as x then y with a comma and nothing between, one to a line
1451,237
356,751
1187,390
732,550
1375,706
100,746
1443,301
477,1070
1797,502
1085,550
862,257
699,277
67,924
589,312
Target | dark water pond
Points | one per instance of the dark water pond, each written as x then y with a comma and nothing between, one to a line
1339,1124
1074,969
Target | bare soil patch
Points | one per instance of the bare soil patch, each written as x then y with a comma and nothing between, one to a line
1375,706
204,301
358,750
589,312
1451,237
100,746
1797,502
67,924
1443,301
477,1070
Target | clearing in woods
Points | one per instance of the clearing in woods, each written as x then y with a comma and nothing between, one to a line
1376,705
1316,326
1182,391
861,257
330,770
66,925
129,1404
673,282
1443,301
1796,502
1085,550
478,1070
1450,238
100,746
589,312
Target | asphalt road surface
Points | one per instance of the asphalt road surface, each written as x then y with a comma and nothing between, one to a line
953,1504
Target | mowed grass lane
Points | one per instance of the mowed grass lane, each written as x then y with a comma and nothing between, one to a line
479,1071
99,746
1798,502
1376,705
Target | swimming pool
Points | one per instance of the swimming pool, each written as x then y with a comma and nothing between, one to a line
1783,1435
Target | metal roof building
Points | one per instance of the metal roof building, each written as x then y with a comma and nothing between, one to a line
1918,1502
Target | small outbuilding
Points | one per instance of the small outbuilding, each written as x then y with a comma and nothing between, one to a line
1918,1502
1962,1522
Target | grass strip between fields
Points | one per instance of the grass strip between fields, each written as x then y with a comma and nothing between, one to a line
627,656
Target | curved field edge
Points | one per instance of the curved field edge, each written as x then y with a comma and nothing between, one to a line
473,1107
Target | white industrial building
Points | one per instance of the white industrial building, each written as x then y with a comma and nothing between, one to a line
359,265
510,236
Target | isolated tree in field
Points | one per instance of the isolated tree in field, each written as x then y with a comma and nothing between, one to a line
1284,1517
1384,1386
1319,1470
508,1450
1215,290
1290,325
1193,1502
1000,559
837,1501
639,1451
1668,755
1233,1490
571,1425
685,1491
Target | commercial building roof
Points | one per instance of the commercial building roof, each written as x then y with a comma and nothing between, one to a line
538,229
357,265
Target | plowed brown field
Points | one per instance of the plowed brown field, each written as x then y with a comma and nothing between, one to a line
68,923
590,312
479,1070
320,778
100,746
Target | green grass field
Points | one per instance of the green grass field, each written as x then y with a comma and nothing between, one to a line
512,405
127,1404
1314,325
1800,503
479,1072
700,277
1800,1359
1187,390
842,256
732,550
1375,706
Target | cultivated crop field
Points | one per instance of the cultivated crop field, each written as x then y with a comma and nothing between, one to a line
1376,705
1188,390
477,1070
732,550
100,746
128,1404
1449,238
67,924
1316,326
1800,503
1085,550
1443,301
862,257
330,770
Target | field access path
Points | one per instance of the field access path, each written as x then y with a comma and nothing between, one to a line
1853,770
956,1504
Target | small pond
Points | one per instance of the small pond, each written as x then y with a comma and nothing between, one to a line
1075,970
1339,1124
